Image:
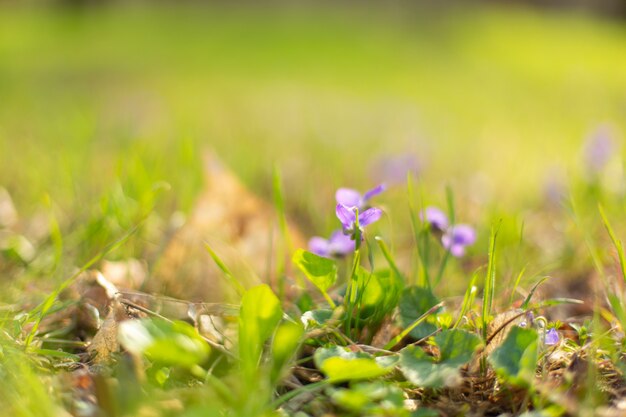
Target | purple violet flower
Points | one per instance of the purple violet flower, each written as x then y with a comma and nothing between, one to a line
347,216
352,198
436,218
551,337
599,148
337,245
457,237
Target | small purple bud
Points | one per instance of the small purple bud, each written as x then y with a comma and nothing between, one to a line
529,320
551,337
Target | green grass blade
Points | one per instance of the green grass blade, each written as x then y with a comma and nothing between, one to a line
421,238
55,232
518,279
387,254
450,201
619,246
490,280
532,292
227,273
279,205
468,298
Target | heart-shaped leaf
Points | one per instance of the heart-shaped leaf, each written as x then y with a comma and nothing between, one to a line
322,272
456,348
515,360
414,302
339,364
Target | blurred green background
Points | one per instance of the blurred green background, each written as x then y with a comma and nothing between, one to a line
496,100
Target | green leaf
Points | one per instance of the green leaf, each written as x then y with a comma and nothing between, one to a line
515,360
378,296
259,315
316,317
618,309
339,364
322,272
425,412
284,346
414,302
376,398
456,348
167,343
382,293
422,370
340,369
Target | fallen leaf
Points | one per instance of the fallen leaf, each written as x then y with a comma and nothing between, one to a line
105,342
239,226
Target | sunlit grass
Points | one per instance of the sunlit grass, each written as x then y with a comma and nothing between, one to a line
473,93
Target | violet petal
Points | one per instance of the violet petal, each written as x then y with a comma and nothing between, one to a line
435,217
346,216
370,216
341,244
373,192
457,250
319,246
463,234
348,197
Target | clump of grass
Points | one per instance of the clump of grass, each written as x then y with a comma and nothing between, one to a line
361,339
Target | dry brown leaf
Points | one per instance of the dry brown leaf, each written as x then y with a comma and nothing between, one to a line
387,331
238,225
498,330
500,327
105,343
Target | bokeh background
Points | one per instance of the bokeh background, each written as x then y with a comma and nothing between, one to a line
102,102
